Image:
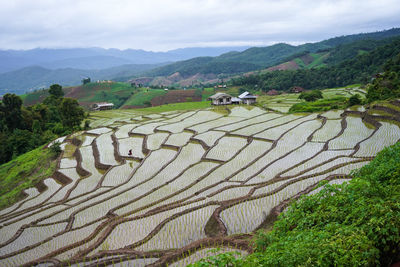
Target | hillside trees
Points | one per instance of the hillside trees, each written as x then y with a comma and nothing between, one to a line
11,111
56,91
387,84
25,128
71,113
311,96
357,70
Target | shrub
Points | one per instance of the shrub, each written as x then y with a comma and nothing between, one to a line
355,100
311,96
55,149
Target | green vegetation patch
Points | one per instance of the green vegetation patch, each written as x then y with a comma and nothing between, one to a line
144,97
24,172
207,92
320,105
34,97
115,92
318,60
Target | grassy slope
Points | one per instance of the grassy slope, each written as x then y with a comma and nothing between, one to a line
115,92
23,172
207,93
34,97
142,96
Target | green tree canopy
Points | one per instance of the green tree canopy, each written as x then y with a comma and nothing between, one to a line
11,110
56,91
71,113
311,96
355,100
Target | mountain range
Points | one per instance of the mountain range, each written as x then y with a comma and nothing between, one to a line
22,71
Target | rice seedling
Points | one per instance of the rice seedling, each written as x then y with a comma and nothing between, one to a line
246,112
355,132
179,139
226,148
388,134
106,149
329,131
119,174
154,141
332,114
99,131
204,127
324,156
124,130
131,143
147,128
68,163
249,121
197,118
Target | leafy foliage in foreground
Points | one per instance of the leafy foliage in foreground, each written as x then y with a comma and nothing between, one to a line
353,224
24,172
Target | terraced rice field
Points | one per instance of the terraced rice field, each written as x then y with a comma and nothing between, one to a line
193,179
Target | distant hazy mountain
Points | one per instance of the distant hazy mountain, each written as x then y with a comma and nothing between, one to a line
36,77
98,58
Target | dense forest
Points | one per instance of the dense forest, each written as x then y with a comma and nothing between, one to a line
357,70
25,128
387,84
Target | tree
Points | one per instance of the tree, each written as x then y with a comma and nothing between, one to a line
56,91
71,113
355,100
11,110
311,96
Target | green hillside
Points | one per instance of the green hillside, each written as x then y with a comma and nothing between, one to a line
36,77
256,58
142,97
359,69
114,92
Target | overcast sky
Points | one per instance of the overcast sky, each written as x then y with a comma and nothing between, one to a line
161,25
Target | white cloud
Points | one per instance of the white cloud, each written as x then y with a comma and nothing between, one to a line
162,25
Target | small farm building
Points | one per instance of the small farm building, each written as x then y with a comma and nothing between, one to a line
220,99
236,100
102,106
248,98
272,92
296,89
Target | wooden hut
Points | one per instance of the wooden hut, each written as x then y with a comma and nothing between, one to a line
102,106
248,98
220,99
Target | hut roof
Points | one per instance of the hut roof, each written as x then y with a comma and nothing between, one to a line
246,95
219,95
